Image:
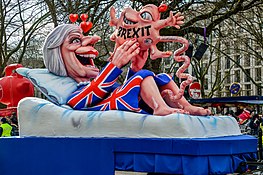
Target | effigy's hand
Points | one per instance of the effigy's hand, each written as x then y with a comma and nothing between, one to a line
139,61
123,54
175,20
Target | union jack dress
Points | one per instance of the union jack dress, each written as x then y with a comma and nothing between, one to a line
104,93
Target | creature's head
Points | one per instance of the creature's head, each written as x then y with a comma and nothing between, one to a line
67,52
137,24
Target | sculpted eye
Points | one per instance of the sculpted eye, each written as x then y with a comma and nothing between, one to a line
129,22
75,40
147,16
148,41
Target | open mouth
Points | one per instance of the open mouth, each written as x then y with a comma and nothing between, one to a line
127,21
86,60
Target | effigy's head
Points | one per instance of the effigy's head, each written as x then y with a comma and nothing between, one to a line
142,25
67,52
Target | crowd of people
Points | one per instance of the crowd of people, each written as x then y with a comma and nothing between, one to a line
249,121
9,126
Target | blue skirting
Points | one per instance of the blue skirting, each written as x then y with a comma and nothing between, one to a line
102,156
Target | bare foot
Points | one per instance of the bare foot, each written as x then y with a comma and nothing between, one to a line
194,110
168,110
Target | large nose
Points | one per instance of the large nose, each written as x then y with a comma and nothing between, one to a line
86,40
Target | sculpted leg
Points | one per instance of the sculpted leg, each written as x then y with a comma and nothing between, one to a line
182,103
152,97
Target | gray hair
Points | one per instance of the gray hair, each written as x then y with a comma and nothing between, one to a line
51,50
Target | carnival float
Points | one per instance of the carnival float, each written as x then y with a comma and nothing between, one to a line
97,126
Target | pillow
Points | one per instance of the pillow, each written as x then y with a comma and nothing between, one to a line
56,88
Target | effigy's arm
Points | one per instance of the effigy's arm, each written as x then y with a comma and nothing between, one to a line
173,20
96,90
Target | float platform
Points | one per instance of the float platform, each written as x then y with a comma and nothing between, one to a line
102,156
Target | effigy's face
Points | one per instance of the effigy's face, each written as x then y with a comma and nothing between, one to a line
78,53
138,24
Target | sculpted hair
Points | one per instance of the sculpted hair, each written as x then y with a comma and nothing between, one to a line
51,49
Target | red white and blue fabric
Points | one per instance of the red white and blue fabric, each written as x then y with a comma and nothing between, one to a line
104,93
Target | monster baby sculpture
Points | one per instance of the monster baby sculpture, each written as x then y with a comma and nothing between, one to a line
145,25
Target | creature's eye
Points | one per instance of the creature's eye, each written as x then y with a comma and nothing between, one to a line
147,16
148,41
75,40
126,21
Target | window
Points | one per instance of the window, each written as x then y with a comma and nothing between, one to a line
219,77
237,76
227,80
227,65
228,48
237,59
258,91
227,90
246,79
258,74
258,62
247,89
247,60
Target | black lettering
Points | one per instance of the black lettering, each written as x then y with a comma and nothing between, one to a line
119,31
128,33
142,31
148,30
123,33
135,32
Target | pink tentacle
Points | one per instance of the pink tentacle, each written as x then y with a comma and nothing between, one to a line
179,58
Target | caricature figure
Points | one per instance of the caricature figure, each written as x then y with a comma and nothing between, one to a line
67,52
144,25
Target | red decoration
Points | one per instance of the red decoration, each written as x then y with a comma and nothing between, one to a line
84,17
14,87
73,17
86,26
8,111
162,8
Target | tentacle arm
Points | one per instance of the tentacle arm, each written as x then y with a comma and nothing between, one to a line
155,53
173,20
179,58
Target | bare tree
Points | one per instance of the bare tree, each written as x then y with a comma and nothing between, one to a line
201,15
19,21
242,45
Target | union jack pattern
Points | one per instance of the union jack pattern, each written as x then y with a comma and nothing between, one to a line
98,89
103,93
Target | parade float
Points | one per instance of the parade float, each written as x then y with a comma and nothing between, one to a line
68,134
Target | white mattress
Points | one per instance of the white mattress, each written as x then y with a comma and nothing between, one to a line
39,117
